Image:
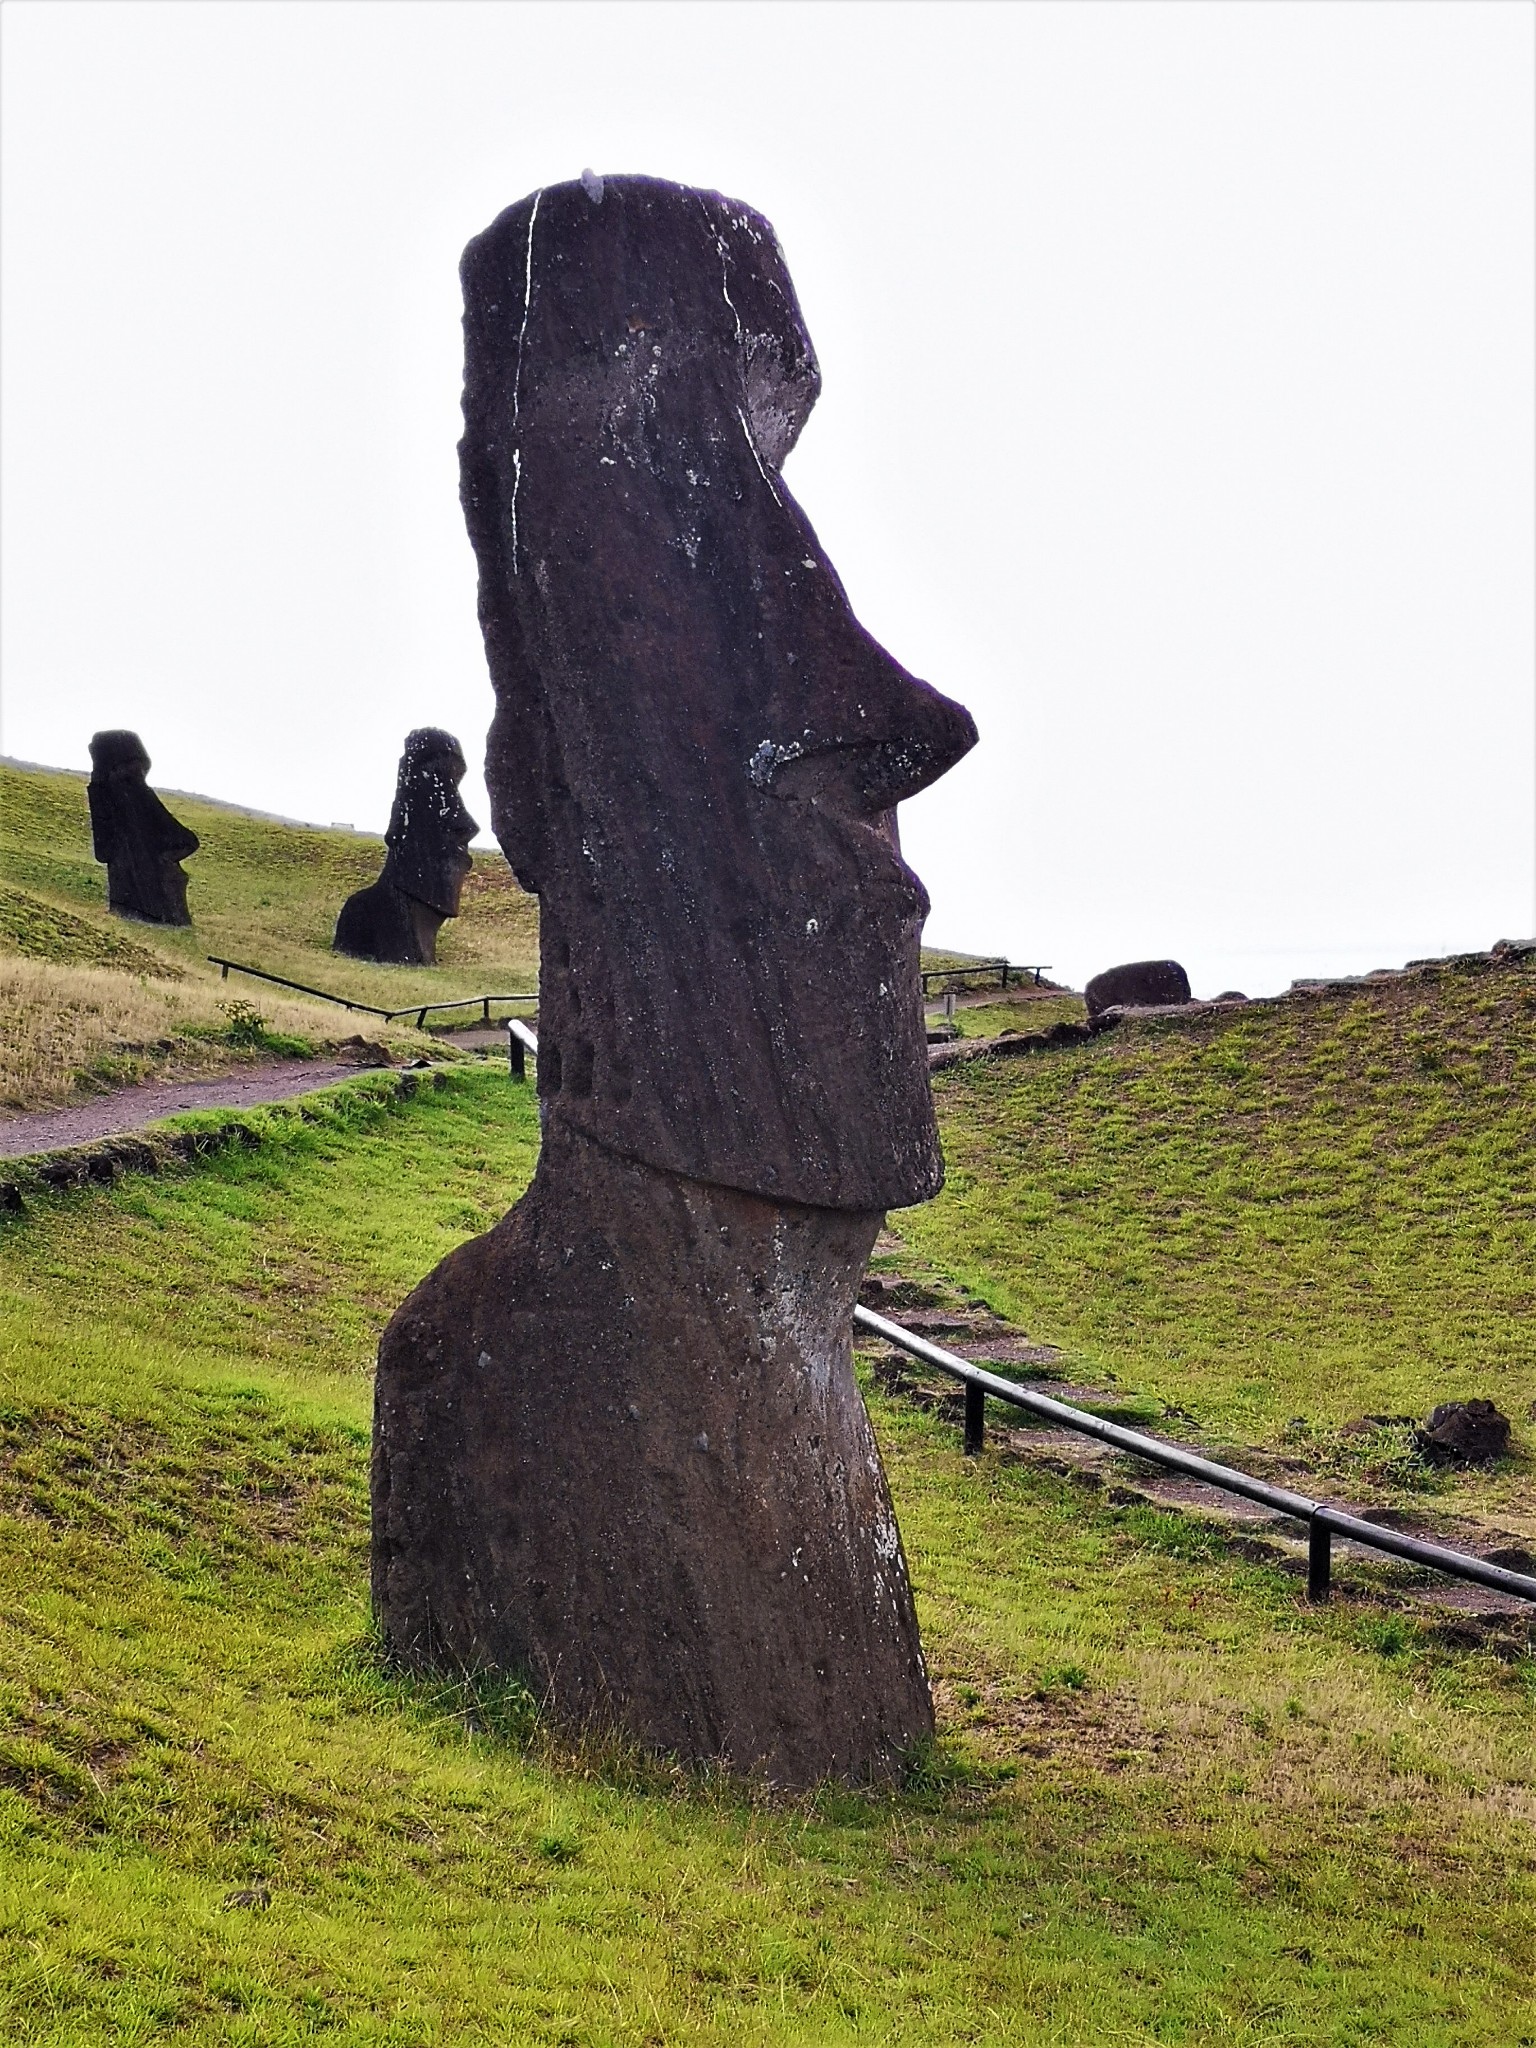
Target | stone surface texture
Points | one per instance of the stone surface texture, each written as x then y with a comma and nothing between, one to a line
399,916
1140,984
619,1447
1464,1433
133,834
618,1442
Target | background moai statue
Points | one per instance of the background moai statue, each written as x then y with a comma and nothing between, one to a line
134,835
618,1444
398,917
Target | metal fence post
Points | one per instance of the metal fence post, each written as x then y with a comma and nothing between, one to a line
1319,1558
517,1059
1321,1521
975,1420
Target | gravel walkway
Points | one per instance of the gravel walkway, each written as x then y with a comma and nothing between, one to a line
130,1109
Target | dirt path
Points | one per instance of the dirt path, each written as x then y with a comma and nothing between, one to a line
130,1109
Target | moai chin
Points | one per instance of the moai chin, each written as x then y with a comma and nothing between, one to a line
398,917
618,1445
133,834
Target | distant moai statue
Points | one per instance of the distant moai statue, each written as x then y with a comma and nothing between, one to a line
132,833
618,1443
1140,984
398,917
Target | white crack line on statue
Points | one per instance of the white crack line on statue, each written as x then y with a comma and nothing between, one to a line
752,444
517,374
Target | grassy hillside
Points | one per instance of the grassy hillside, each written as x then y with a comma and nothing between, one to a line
1282,1220
94,1000
1170,1804
260,891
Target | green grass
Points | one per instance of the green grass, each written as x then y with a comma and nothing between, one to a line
1278,1220
260,892
1170,1803
41,931
1039,1013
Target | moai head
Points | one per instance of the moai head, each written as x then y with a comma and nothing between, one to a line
698,750
132,832
429,828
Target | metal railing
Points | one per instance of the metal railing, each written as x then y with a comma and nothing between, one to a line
261,974
1323,1522
420,1011
522,1039
939,976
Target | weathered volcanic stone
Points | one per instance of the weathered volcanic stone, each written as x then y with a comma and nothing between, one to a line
399,916
141,845
1141,984
1464,1432
618,1445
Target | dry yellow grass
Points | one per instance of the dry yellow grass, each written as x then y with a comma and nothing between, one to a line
73,1031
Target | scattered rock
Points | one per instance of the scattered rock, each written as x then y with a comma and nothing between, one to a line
1464,1433
1512,1557
365,1052
1139,984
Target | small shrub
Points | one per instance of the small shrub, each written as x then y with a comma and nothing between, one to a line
244,1024
1061,1678
1388,1637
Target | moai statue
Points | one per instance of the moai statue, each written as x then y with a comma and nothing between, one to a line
141,845
618,1444
398,918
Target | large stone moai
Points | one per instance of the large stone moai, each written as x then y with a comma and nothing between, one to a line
618,1444
135,837
398,917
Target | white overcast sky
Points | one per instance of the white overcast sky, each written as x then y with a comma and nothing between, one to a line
1178,416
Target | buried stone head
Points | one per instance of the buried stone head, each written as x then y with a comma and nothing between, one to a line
140,843
398,917
618,1442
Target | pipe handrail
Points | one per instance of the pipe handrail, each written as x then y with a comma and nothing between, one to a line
1002,968
1323,1520
419,1011
261,974
522,1039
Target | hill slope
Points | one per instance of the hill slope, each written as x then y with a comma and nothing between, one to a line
94,999
1281,1220
1171,1803
261,891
